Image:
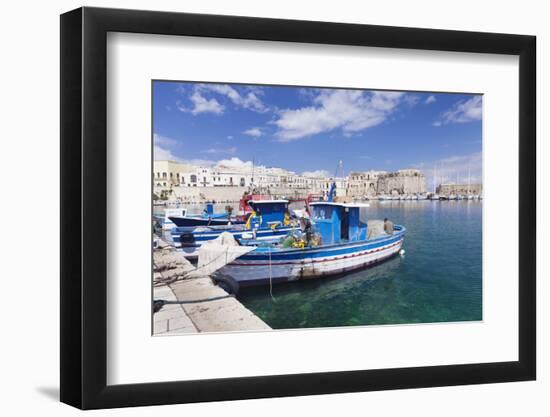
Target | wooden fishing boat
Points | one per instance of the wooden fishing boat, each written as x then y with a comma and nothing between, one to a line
346,245
268,220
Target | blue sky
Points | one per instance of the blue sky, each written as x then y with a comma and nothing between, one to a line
310,129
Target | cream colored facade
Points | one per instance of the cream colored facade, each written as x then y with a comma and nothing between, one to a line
177,177
167,174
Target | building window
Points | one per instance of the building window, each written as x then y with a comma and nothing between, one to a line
242,182
193,178
164,175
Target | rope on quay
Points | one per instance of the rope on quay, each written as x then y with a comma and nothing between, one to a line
270,277
158,304
186,275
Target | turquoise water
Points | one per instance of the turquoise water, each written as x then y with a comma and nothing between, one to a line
438,279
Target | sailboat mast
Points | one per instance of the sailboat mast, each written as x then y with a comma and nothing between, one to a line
468,179
252,182
434,178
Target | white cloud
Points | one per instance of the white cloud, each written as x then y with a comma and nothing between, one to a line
204,105
229,137
163,140
200,162
430,99
320,173
231,150
235,163
247,99
453,168
161,151
161,154
462,112
254,132
411,99
349,110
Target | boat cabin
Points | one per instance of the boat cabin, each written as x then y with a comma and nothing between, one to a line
209,210
174,212
268,212
339,222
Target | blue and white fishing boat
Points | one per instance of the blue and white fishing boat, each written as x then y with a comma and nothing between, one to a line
207,218
269,220
164,221
346,245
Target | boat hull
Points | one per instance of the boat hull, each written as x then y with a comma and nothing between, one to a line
200,221
260,268
190,242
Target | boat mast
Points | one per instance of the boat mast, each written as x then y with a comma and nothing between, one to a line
434,178
468,179
252,182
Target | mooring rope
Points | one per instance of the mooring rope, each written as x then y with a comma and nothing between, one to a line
202,300
185,276
270,277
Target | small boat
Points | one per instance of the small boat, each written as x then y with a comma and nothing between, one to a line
266,222
207,218
164,221
345,246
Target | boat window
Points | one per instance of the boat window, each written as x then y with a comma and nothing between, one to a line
344,230
322,212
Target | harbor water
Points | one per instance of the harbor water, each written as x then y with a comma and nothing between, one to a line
437,279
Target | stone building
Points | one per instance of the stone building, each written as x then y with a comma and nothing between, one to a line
168,175
364,183
403,181
371,183
175,177
460,189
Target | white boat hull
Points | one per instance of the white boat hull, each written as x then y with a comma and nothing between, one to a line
252,272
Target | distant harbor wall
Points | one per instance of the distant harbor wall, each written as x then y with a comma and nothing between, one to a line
233,194
460,189
204,194
197,185
413,183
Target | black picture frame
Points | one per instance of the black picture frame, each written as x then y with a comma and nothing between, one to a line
84,207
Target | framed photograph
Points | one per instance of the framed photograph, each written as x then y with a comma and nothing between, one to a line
258,208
